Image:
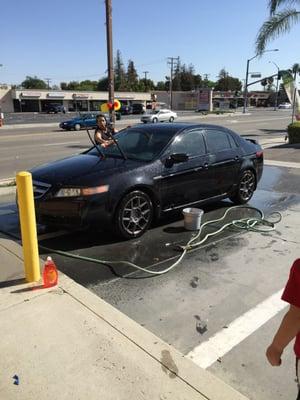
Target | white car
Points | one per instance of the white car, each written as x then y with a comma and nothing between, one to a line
285,105
159,116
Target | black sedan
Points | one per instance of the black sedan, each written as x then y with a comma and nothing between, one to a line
153,169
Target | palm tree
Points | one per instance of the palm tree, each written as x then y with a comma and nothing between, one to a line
278,22
296,70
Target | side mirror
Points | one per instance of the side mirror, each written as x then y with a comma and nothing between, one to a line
176,158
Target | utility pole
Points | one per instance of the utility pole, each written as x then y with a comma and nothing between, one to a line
110,67
48,80
172,65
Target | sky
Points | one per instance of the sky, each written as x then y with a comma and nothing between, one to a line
65,40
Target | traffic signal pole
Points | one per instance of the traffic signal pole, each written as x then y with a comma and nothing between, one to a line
246,87
110,68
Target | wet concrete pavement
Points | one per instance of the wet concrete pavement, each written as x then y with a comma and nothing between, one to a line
210,288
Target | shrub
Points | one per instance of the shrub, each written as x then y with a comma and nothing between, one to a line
294,132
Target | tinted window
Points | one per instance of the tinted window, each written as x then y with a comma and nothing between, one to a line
138,144
232,141
217,141
190,143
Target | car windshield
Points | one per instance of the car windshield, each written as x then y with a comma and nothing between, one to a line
86,116
137,144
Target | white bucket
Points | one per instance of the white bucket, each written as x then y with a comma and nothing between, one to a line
192,218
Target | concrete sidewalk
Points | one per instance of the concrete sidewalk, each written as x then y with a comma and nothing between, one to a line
67,343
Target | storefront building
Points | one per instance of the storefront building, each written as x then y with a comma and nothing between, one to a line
35,100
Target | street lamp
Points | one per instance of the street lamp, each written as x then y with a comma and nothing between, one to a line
246,80
276,98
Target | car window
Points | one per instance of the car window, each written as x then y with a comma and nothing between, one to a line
190,143
217,141
138,144
232,141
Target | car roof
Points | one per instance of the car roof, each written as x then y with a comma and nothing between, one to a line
176,127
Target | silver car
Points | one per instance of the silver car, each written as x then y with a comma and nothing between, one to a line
285,106
159,116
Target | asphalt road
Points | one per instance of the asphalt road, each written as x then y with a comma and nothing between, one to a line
24,148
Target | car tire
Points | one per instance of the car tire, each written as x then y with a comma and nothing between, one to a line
77,127
246,187
133,215
171,119
155,120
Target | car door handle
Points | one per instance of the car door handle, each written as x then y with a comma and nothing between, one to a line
205,166
236,158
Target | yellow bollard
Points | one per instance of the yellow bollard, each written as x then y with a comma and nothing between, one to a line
28,226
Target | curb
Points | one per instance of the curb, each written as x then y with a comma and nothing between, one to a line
7,182
7,186
22,126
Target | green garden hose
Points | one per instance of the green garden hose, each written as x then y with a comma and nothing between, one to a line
258,224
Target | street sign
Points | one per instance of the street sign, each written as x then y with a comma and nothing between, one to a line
258,75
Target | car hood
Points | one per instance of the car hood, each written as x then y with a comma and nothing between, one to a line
81,170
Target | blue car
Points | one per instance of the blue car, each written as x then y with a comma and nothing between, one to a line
86,120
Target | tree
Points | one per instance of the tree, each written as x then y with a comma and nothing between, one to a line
102,85
176,81
33,82
73,85
223,74
160,85
132,76
147,84
296,70
264,83
63,85
227,82
120,74
278,22
185,79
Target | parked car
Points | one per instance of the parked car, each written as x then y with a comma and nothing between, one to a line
159,116
55,108
285,105
125,109
165,168
85,120
138,108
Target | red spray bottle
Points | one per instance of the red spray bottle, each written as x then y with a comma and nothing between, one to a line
50,274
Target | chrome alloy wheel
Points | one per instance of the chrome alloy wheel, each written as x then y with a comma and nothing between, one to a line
136,215
247,185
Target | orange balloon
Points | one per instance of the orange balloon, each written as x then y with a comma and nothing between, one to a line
117,105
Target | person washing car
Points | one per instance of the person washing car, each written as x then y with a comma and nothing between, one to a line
103,133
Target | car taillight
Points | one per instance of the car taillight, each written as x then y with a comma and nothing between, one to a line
259,154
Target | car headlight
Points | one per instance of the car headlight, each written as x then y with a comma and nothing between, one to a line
75,192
